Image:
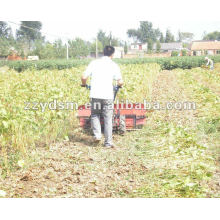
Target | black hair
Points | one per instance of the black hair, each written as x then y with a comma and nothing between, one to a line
108,51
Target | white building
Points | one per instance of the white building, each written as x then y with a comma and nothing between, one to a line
32,58
138,47
119,52
199,48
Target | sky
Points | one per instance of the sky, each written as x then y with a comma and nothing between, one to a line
70,19
87,30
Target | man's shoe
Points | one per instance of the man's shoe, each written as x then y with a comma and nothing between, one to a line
107,146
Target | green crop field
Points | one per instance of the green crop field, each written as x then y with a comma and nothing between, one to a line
176,154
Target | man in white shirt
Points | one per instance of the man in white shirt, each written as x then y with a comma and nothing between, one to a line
209,62
103,72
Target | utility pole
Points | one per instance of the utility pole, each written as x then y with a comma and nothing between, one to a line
110,43
67,50
96,48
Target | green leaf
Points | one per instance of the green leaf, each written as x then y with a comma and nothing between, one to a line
5,124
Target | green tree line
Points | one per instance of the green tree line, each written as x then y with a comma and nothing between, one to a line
30,41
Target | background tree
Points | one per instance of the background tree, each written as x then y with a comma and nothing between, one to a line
185,36
184,52
158,33
169,37
6,39
59,49
38,47
150,45
132,33
161,38
20,48
115,42
212,36
44,50
4,47
126,48
5,30
48,51
158,46
29,31
180,37
93,47
145,33
107,39
101,36
78,48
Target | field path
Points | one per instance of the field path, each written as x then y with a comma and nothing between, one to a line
77,168
167,89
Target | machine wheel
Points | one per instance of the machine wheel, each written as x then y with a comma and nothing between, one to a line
122,124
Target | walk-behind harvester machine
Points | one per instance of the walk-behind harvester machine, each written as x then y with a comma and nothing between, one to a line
126,116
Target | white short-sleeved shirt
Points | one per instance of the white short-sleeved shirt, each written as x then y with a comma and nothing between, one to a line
210,62
102,71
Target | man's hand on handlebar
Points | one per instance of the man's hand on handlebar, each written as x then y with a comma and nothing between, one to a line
83,80
120,83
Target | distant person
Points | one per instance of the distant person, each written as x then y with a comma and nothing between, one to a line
209,62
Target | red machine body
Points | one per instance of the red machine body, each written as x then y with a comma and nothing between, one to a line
133,114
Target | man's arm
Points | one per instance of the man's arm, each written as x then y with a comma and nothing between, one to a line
117,76
207,62
86,74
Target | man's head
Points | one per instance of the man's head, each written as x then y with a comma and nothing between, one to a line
109,51
206,58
